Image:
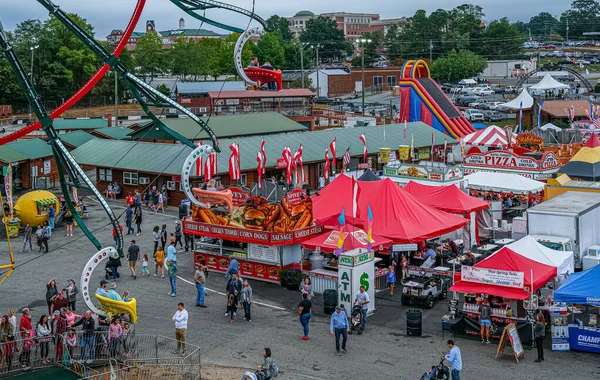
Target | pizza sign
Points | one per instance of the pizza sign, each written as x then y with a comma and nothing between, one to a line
508,160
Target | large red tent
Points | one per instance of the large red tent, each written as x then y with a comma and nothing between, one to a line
507,259
397,215
446,198
355,238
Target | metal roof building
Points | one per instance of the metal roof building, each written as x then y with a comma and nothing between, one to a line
115,133
72,124
76,138
203,88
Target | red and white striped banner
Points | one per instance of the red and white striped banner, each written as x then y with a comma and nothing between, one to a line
210,166
332,149
259,168
326,171
363,138
199,162
298,161
234,162
287,157
263,156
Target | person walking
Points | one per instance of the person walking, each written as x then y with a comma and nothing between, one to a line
246,300
39,234
391,279
539,332
160,203
200,279
145,270
51,216
159,262
306,287
181,319
339,326
69,222
47,234
43,335
304,314
115,236
88,325
362,298
51,293
27,237
189,242
234,287
163,236
137,201
455,358
129,220
156,236
133,255
178,234
172,270
71,292
172,252
485,320
234,267
137,219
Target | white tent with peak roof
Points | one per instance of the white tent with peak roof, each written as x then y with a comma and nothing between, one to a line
548,83
515,104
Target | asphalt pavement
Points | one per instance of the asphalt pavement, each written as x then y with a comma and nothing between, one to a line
382,352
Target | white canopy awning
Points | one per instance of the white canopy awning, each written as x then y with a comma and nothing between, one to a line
528,247
515,104
467,81
551,127
548,83
492,181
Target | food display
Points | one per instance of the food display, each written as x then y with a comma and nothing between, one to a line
293,213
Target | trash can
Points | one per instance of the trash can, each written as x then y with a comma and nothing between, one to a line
414,322
330,298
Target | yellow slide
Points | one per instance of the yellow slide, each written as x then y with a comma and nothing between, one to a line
119,307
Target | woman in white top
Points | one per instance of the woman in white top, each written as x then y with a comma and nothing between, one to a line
12,319
160,203
43,330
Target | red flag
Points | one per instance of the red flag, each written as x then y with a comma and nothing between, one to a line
298,160
210,166
234,162
363,138
287,156
199,163
355,196
332,149
259,168
263,155
326,171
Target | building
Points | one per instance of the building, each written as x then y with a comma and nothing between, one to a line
113,133
553,111
135,165
63,126
194,95
75,139
33,164
354,25
509,68
169,37
337,82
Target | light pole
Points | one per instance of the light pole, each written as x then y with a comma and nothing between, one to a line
316,47
116,99
32,49
362,75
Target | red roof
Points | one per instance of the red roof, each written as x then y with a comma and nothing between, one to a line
241,94
355,238
593,141
507,259
446,198
397,215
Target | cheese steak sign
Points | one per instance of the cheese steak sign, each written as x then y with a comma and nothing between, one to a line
507,160
249,235
493,277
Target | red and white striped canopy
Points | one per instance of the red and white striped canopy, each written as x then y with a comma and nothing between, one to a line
491,136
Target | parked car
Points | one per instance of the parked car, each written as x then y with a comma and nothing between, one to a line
549,46
482,103
510,89
473,115
465,100
492,116
447,87
493,106
423,290
483,91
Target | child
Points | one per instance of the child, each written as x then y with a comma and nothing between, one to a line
404,267
391,279
126,296
172,237
71,341
145,265
159,256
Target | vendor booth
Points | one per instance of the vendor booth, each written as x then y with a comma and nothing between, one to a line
451,199
509,279
530,248
581,289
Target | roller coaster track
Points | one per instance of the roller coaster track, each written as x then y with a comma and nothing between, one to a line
192,6
557,67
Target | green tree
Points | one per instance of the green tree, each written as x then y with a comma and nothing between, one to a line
11,92
270,49
281,26
457,66
324,33
542,25
502,40
164,89
584,16
183,57
149,54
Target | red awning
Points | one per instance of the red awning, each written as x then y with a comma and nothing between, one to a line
446,198
397,215
355,238
500,291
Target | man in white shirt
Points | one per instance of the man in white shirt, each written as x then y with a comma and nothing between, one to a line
180,318
362,298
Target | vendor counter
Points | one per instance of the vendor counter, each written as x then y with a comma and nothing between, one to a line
470,326
584,338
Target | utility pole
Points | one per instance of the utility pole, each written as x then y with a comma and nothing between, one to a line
529,33
362,75
302,63
317,51
32,48
116,99
567,39
430,50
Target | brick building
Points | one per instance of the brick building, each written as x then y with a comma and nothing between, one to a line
33,164
337,82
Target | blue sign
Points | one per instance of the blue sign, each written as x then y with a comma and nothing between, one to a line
582,339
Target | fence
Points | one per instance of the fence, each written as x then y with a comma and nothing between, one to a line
27,354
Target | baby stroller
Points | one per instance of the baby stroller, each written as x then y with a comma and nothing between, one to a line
356,318
440,372
108,272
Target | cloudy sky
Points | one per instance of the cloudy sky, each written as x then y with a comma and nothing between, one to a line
106,15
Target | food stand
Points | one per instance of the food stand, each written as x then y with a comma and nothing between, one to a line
264,238
510,279
580,289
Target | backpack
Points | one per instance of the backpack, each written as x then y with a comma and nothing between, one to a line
274,369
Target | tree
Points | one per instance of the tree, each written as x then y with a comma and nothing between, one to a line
457,66
324,33
502,40
149,55
281,26
183,57
162,88
270,49
542,25
584,16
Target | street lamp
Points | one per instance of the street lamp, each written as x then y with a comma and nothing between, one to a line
362,42
32,49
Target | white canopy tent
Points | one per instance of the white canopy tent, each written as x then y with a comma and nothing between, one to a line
515,104
530,248
548,83
467,82
550,127
492,181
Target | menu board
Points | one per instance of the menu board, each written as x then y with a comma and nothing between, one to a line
510,334
263,253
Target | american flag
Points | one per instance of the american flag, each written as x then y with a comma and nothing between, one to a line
596,123
346,158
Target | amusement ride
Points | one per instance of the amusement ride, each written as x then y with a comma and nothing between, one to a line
72,175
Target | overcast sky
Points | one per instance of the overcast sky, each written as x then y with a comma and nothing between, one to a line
106,15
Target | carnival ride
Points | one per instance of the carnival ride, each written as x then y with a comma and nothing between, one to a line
421,99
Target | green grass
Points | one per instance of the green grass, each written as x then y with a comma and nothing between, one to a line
501,124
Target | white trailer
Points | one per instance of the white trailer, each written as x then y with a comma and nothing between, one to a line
574,216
